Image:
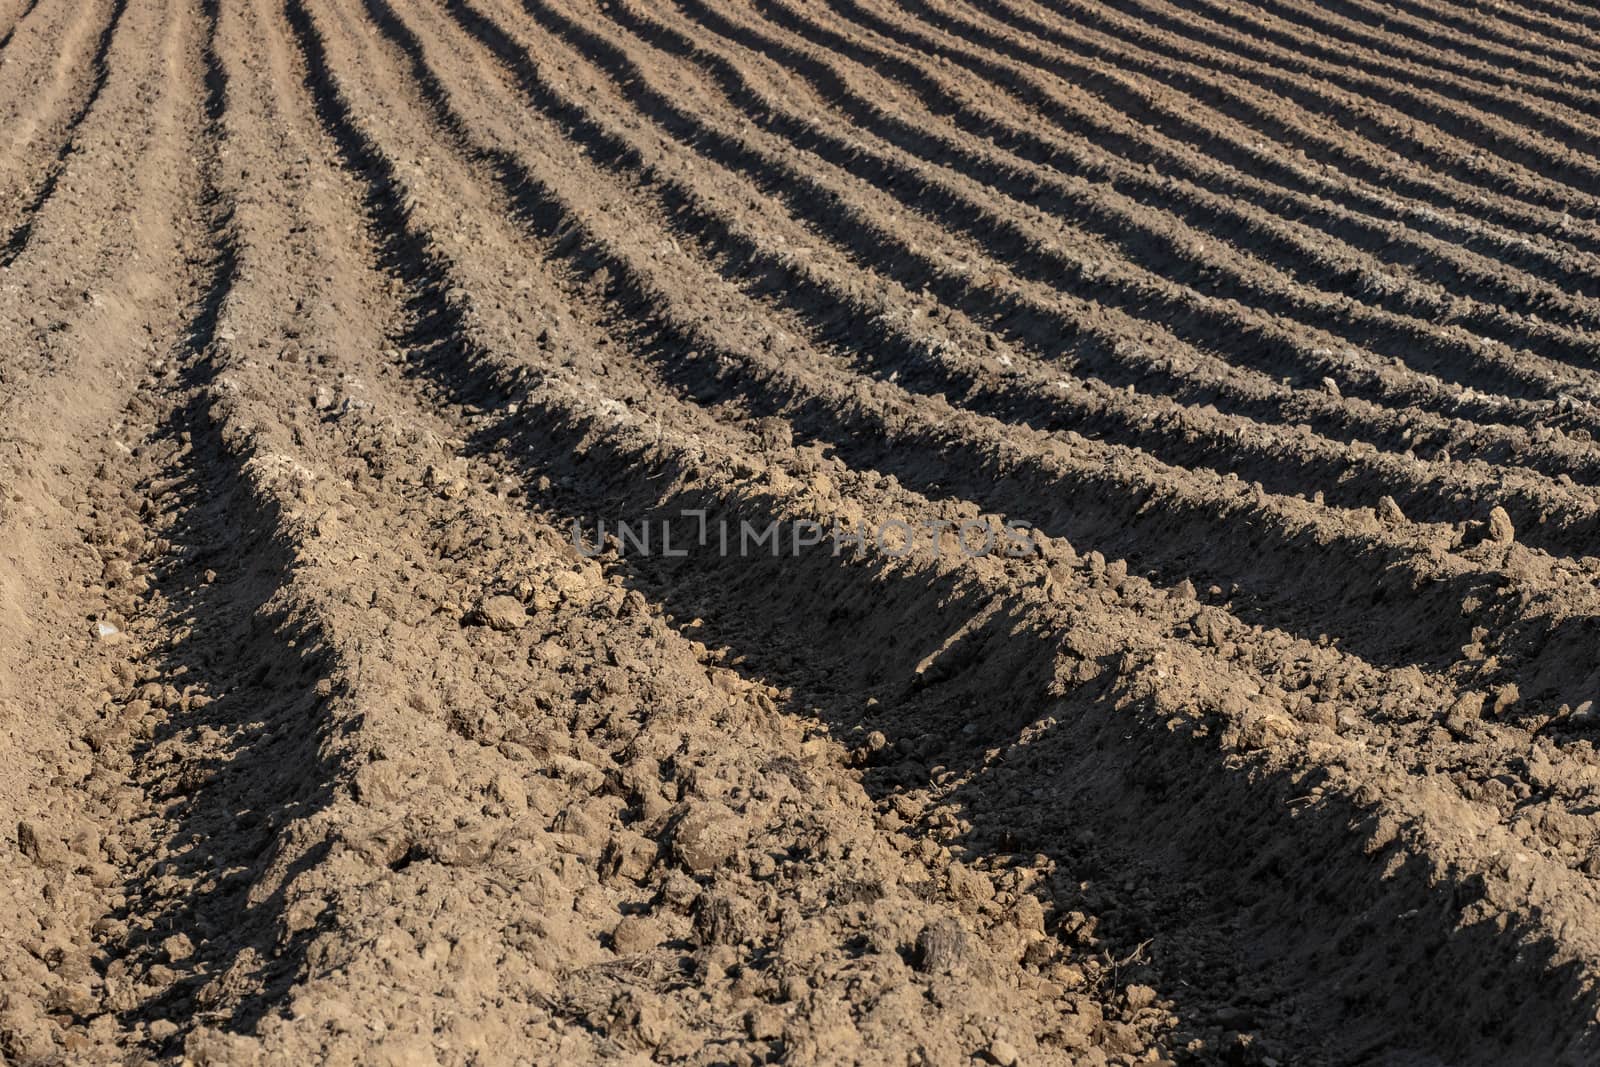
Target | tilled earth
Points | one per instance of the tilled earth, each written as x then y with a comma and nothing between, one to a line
326,323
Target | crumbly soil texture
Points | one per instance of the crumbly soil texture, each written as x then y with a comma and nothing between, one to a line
377,378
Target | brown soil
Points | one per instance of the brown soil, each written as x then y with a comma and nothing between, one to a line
325,321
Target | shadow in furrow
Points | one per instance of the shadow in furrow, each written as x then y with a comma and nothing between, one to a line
838,630
1204,538
249,765
1163,254
1368,211
1419,169
1262,345
1079,344
1244,38
835,319
1190,129
238,765
1480,44
1229,210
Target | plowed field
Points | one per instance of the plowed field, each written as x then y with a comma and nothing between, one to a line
811,531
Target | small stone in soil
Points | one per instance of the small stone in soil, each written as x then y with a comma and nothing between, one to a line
502,613
1500,528
1003,1052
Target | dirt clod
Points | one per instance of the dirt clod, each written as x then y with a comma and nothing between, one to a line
1003,1052
501,613
707,836
1500,529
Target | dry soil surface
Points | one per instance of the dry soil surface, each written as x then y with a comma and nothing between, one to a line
324,323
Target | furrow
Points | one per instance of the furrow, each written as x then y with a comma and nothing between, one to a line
1009,470
1571,16
1387,118
591,531
1231,160
1031,313
773,259
582,761
59,47
1511,34
13,13
1470,52
220,728
1033,161
30,188
551,410
1270,138
101,304
64,298
1180,262
1164,248
874,323
909,58
1078,264
1317,50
